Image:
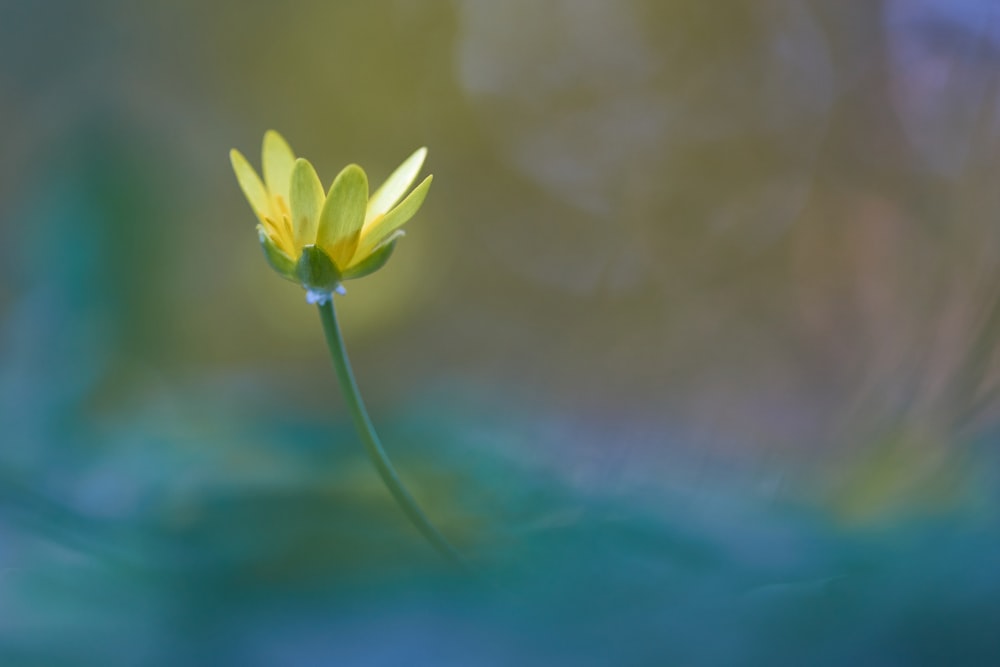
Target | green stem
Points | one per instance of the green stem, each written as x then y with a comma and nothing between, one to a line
363,424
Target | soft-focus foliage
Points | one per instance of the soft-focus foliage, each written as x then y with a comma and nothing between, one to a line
694,353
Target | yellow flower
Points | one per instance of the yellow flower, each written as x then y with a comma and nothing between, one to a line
321,240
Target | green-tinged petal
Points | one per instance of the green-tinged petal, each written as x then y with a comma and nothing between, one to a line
278,260
316,271
305,202
376,260
380,229
251,185
277,161
343,214
395,186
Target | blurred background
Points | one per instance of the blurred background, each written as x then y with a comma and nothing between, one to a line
691,350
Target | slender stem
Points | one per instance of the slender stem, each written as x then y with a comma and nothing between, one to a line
363,424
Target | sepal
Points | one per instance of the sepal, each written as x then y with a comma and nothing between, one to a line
278,260
316,271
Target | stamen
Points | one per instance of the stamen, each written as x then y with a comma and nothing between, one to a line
273,232
283,206
283,227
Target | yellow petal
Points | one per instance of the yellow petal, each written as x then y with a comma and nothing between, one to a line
380,228
395,186
361,266
343,214
306,202
277,160
251,185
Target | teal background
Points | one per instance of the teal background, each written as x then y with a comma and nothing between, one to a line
691,349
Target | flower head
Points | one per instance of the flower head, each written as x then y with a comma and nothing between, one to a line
320,240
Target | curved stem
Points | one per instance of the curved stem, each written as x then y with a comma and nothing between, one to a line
363,424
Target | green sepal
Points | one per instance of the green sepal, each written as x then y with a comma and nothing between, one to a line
376,260
316,271
278,260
